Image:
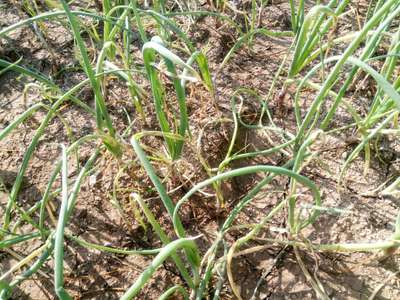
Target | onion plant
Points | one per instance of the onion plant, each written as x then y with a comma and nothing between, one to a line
171,61
313,37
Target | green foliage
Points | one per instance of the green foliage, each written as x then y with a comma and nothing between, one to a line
107,52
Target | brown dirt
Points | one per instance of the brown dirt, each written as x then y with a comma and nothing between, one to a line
95,275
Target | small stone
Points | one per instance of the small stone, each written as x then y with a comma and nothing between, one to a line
92,180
